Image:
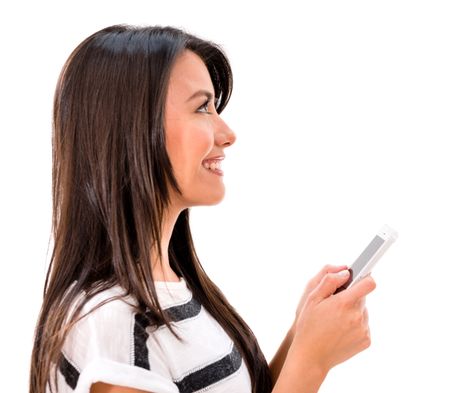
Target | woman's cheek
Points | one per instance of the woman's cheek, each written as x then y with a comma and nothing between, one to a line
205,141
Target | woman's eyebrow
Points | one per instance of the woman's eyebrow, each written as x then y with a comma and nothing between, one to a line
199,93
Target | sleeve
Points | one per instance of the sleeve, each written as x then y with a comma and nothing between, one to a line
103,346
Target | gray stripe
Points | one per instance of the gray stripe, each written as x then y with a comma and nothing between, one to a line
184,311
140,337
142,321
212,373
69,372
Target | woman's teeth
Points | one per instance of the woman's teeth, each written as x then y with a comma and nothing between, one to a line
212,165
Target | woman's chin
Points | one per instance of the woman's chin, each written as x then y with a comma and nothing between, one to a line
212,200
209,199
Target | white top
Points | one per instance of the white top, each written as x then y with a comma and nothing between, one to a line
115,345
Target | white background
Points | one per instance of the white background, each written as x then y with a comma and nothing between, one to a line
341,109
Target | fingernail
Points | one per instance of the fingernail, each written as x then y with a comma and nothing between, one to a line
343,273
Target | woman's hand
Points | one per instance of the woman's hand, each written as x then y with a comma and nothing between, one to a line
314,282
330,329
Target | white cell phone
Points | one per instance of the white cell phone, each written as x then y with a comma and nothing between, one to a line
370,256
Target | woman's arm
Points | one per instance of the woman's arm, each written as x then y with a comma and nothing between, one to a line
101,387
298,375
278,360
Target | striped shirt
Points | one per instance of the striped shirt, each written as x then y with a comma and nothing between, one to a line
116,345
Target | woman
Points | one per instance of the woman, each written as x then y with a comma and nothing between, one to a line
127,308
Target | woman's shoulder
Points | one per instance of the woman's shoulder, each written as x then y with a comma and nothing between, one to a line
110,325
113,309
101,328
101,345
107,313
110,301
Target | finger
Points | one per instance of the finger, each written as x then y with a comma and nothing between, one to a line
360,289
331,269
324,271
366,317
366,322
329,283
361,303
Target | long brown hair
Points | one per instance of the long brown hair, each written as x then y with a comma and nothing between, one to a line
111,180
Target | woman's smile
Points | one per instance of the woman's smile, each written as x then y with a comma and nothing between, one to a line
213,165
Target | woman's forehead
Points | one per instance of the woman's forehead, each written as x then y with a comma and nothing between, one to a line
188,75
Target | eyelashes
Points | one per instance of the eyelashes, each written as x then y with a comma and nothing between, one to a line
204,107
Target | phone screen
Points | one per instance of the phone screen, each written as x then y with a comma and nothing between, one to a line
362,260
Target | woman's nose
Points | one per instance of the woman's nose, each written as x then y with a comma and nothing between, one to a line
224,135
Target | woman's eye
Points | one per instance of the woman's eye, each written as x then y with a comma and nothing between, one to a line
204,107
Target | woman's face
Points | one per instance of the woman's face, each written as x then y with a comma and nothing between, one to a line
196,136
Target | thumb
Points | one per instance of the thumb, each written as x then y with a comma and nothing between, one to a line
330,282
360,289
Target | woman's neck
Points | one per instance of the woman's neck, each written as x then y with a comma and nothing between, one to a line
161,269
